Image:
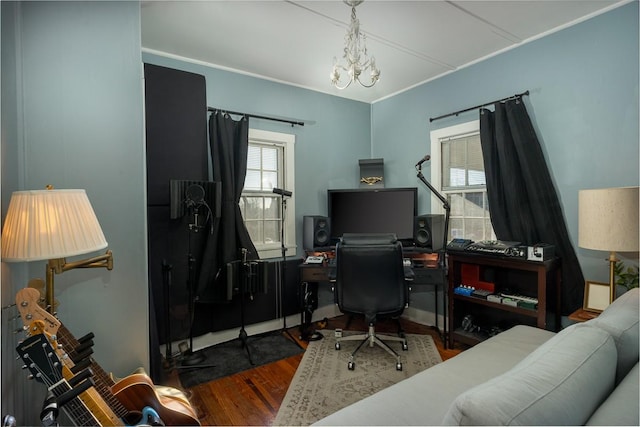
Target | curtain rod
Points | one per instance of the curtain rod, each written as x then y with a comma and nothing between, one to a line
516,96
275,119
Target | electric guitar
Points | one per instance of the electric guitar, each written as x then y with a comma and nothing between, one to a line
71,392
125,397
42,361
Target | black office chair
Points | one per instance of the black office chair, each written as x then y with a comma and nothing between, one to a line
371,280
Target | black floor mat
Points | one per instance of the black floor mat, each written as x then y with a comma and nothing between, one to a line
231,357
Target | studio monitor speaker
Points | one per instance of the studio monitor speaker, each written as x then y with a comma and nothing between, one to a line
428,231
316,231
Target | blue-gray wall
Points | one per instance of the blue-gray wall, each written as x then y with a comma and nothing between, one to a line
583,101
72,115
75,75
336,135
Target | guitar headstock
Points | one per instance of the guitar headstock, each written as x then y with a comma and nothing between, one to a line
27,300
39,285
40,358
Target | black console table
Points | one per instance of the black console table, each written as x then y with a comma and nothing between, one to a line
541,281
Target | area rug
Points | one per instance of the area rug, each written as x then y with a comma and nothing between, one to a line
231,357
323,384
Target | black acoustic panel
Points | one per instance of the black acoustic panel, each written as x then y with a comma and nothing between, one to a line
172,243
290,288
258,306
176,129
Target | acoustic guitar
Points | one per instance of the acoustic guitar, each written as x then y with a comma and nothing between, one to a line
127,396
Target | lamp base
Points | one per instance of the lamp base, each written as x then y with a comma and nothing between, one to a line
612,276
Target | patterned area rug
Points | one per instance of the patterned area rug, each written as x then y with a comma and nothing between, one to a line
323,384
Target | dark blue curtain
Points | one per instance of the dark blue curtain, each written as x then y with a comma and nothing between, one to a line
523,201
229,145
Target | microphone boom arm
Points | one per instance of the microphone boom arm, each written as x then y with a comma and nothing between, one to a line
447,210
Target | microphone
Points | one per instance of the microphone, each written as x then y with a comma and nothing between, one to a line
422,160
194,195
283,193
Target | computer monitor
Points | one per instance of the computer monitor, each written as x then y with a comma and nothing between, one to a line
379,210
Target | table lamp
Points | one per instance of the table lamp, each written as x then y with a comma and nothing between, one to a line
51,225
608,221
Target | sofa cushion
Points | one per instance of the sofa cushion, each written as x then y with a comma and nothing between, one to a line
423,399
621,319
621,407
561,383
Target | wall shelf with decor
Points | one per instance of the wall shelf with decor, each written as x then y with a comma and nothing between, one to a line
489,294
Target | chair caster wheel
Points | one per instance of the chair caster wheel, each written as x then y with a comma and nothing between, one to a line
398,366
351,366
337,346
405,347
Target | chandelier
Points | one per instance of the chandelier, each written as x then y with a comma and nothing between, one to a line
355,55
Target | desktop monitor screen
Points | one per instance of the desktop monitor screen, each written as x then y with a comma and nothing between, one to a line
381,210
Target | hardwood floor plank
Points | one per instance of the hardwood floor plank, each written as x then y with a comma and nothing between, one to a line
253,397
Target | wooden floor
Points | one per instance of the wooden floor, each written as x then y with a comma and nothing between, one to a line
253,397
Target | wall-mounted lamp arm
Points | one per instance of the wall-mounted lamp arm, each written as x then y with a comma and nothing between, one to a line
60,265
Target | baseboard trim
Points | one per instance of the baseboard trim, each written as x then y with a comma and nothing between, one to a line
212,338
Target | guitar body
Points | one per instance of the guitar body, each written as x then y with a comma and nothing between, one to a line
137,391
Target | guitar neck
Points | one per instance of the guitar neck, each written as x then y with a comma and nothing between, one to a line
103,381
75,408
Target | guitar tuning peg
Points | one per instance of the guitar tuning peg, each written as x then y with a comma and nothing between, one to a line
23,366
22,329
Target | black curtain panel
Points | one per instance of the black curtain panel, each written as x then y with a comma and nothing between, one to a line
523,201
229,145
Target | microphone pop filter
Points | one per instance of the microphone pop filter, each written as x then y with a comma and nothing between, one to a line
195,194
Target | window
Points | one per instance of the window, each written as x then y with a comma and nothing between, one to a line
270,164
457,171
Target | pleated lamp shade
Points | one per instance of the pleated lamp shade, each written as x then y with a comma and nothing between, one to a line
50,224
608,219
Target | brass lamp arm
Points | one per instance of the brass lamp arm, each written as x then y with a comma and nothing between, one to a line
60,265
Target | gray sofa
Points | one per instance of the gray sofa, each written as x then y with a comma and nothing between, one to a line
586,374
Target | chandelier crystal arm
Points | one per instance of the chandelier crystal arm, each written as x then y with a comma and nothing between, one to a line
354,51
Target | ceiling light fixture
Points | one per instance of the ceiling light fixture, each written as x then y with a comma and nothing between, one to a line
355,54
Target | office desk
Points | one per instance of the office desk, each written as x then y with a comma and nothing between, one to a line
313,274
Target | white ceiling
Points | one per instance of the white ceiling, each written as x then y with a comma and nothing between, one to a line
295,41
